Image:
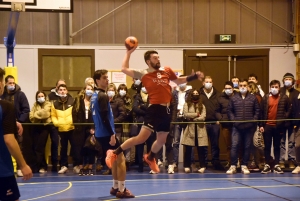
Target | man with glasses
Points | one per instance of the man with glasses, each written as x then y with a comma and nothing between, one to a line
243,108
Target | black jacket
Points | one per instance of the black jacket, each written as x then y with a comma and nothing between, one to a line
79,116
119,112
221,110
210,104
283,110
240,109
139,108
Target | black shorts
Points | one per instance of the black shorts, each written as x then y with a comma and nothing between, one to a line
104,141
9,189
158,118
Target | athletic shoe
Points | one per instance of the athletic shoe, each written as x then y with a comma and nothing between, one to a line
125,194
62,170
281,164
91,172
245,169
291,164
253,166
296,170
152,164
113,191
152,172
201,170
110,158
277,169
76,169
159,163
266,169
81,172
232,170
98,168
19,173
171,169
42,171
187,170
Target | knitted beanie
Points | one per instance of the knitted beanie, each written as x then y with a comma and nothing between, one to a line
288,75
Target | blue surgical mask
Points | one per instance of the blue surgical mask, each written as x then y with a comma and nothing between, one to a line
89,92
243,90
144,90
41,99
287,83
137,82
122,92
208,85
111,94
235,84
228,92
274,91
11,87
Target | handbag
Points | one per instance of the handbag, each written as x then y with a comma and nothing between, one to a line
92,143
258,139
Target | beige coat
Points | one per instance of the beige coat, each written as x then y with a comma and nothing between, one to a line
188,137
40,113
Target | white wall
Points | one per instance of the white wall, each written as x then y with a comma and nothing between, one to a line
282,60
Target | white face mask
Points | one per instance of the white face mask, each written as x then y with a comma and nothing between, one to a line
11,87
41,99
235,84
137,82
63,95
144,90
89,92
243,90
182,86
274,91
111,94
122,92
208,85
287,83
228,92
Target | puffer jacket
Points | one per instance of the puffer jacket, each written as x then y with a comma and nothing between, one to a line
41,113
240,109
188,137
61,114
283,110
221,110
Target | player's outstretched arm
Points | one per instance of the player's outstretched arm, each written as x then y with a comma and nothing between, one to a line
125,64
194,76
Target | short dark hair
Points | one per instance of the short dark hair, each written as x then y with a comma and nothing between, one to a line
59,80
228,83
234,77
2,73
9,77
252,75
243,80
147,54
62,85
98,74
274,82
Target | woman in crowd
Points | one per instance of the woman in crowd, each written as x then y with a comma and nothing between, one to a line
194,135
40,113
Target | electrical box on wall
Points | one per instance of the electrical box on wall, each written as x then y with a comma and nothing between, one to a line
225,38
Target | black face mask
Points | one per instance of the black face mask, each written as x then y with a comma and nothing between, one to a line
195,97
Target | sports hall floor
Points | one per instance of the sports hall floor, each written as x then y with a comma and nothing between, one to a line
212,185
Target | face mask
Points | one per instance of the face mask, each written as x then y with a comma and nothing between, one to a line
287,83
243,90
144,90
111,94
41,99
89,92
182,86
63,95
122,92
207,85
228,92
274,91
137,82
235,84
195,97
11,87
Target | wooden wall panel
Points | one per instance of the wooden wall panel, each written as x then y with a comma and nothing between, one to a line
185,22
24,34
248,24
263,27
138,20
122,22
40,28
154,22
77,20
279,17
216,19
201,22
169,22
106,25
90,13
232,19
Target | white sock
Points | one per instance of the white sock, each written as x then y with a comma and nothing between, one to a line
115,184
121,186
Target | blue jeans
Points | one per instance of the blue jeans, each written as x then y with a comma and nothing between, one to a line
297,145
291,145
213,133
239,137
177,135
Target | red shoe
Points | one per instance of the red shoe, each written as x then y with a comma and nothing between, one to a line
113,191
125,194
110,158
152,164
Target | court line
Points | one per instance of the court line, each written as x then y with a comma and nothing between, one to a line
47,195
208,189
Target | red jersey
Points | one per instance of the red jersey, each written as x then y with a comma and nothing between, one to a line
156,83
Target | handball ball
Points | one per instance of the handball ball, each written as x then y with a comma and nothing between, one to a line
131,42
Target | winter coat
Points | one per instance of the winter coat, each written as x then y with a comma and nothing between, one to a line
139,108
240,109
40,113
188,137
221,110
294,93
119,113
61,114
20,102
53,95
79,116
210,103
283,110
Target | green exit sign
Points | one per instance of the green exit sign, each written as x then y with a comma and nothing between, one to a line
225,38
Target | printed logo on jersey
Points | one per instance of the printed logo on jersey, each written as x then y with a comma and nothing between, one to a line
159,80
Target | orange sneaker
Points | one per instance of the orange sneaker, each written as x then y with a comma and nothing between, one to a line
125,194
110,158
152,164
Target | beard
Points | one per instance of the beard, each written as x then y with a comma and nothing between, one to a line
155,66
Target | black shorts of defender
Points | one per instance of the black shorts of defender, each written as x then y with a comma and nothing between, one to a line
9,189
158,118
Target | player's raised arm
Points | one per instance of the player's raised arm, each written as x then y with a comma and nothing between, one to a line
194,76
131,44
